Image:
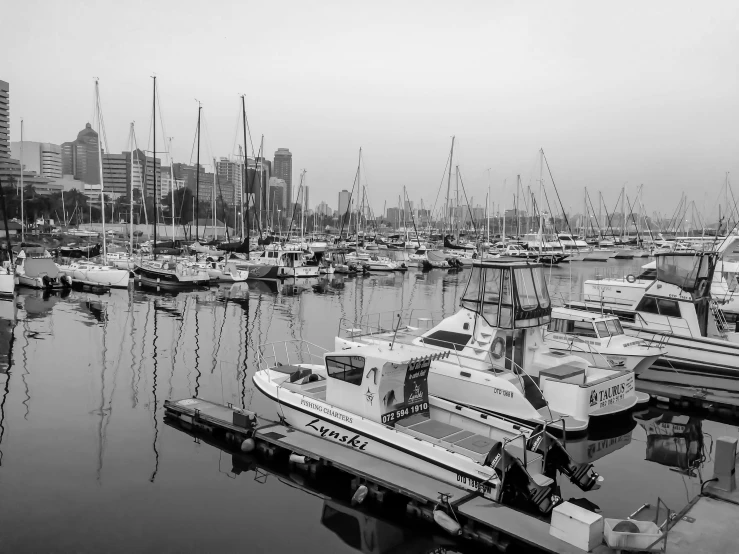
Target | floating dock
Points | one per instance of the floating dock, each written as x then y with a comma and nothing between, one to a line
482,520
706,525
688,397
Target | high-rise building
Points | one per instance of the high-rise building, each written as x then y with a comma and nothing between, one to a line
324,209
42,158
115,175
277,194
80,157
168,183
230,175
283,169
343,202
141,172
4,121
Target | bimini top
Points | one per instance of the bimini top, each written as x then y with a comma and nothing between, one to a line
690,271
34,267
509,295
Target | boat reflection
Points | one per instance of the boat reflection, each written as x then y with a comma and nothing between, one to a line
601,441
8,319
673,440
358,527
38,303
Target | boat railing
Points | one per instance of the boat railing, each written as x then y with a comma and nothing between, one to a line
289,352
576,345
382,327
670,326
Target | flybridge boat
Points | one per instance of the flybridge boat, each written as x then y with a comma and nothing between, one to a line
277,263
507,368
677,312
170,275
597,339
374,398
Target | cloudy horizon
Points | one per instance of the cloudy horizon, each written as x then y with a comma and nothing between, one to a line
628,94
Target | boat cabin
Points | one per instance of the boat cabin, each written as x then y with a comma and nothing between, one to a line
680,295
587,325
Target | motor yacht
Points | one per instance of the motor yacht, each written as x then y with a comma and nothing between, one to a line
677,312
375,399
40,273
228,271
497,337
279,263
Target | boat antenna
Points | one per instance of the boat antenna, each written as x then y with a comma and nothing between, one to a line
395,333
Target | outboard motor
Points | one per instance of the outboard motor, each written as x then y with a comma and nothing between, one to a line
557,458
515,478
46,280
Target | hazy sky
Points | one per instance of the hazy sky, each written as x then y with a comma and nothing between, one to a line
615,92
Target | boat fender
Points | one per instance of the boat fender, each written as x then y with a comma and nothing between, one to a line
67,280
447,523
630,279
360,494
297,459
248,445
497,348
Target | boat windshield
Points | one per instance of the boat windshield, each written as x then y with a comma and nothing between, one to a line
689,272
508,297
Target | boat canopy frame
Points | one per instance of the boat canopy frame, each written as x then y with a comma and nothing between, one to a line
511,295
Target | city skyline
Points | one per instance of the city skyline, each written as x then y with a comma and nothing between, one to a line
626,108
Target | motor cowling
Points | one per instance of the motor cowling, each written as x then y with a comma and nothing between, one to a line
556,458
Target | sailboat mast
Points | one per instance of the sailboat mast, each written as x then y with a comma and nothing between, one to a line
154,163
197,181
447,216
100,168
243,184
541,200
130,201
171,185
23,220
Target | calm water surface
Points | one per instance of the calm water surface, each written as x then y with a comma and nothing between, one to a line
87,463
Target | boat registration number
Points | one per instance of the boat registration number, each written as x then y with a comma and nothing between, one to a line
405,412
482,486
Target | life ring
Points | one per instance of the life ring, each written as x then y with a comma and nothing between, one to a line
630,279
497,348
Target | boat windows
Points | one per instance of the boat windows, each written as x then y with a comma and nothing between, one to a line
614,327
602,329
648,304
668,308
525,288
584,329
346,368
560,326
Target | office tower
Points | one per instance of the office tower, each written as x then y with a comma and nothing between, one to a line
324,209
4,121
115,174
42,158
283,169
80,157
343,202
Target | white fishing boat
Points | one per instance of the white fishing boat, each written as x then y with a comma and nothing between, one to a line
597,339
374,398
497,336
40,273
677,312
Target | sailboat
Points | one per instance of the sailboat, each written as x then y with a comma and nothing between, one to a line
87,272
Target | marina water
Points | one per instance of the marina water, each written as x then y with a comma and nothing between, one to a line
88,464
